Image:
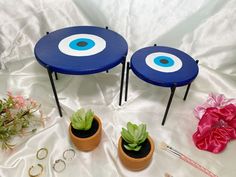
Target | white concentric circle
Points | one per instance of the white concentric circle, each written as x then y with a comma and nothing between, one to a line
177,63
99,45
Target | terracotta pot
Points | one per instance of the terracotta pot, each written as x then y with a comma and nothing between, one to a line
89,143
135,164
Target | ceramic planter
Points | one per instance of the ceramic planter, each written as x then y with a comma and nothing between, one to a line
135,164
88,143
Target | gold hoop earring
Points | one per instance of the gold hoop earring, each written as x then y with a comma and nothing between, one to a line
69,154
41,151
38,174
57,168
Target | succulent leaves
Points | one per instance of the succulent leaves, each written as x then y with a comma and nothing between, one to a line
134,135
82,120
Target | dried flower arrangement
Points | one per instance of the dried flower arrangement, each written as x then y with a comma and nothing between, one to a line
17,117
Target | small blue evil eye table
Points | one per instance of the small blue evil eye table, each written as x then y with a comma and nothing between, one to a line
163,66
81,50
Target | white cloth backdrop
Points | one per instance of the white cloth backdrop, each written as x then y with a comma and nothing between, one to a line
205,29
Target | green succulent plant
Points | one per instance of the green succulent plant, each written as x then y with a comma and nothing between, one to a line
82,120
134,135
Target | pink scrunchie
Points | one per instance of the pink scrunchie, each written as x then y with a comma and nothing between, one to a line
213,100
217,125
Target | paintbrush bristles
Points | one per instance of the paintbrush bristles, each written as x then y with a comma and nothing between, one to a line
163,146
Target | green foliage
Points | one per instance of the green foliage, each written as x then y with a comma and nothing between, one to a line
16,116
134,135
82,120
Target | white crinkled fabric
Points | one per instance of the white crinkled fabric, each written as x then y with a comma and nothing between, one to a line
204,29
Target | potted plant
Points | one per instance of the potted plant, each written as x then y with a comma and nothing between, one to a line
85,130
135,147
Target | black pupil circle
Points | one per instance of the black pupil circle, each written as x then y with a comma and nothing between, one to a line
164,61
82,44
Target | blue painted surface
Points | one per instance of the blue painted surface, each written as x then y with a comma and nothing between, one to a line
185,75
48,54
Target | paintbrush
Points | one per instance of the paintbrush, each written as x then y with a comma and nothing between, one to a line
169,149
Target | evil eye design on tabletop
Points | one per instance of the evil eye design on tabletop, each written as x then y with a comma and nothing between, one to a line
163,62
82,45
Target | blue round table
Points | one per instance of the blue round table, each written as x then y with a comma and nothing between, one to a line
81,50
163,66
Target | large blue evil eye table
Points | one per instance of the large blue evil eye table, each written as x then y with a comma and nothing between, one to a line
81,50
163,66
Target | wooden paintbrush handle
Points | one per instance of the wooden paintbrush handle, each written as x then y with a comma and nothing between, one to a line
196,165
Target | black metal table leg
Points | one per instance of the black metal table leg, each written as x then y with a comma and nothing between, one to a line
122,80
188,87
54,91
186,92
168,105
127,81
56,75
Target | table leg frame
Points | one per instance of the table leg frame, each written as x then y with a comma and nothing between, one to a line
54,91
122,80
127,81
168,105
56,77
186,92
188,87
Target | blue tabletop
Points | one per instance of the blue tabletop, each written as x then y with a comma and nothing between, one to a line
164,66
81,50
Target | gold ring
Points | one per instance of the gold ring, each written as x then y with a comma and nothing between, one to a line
35,175
41,150
66,156
57,169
